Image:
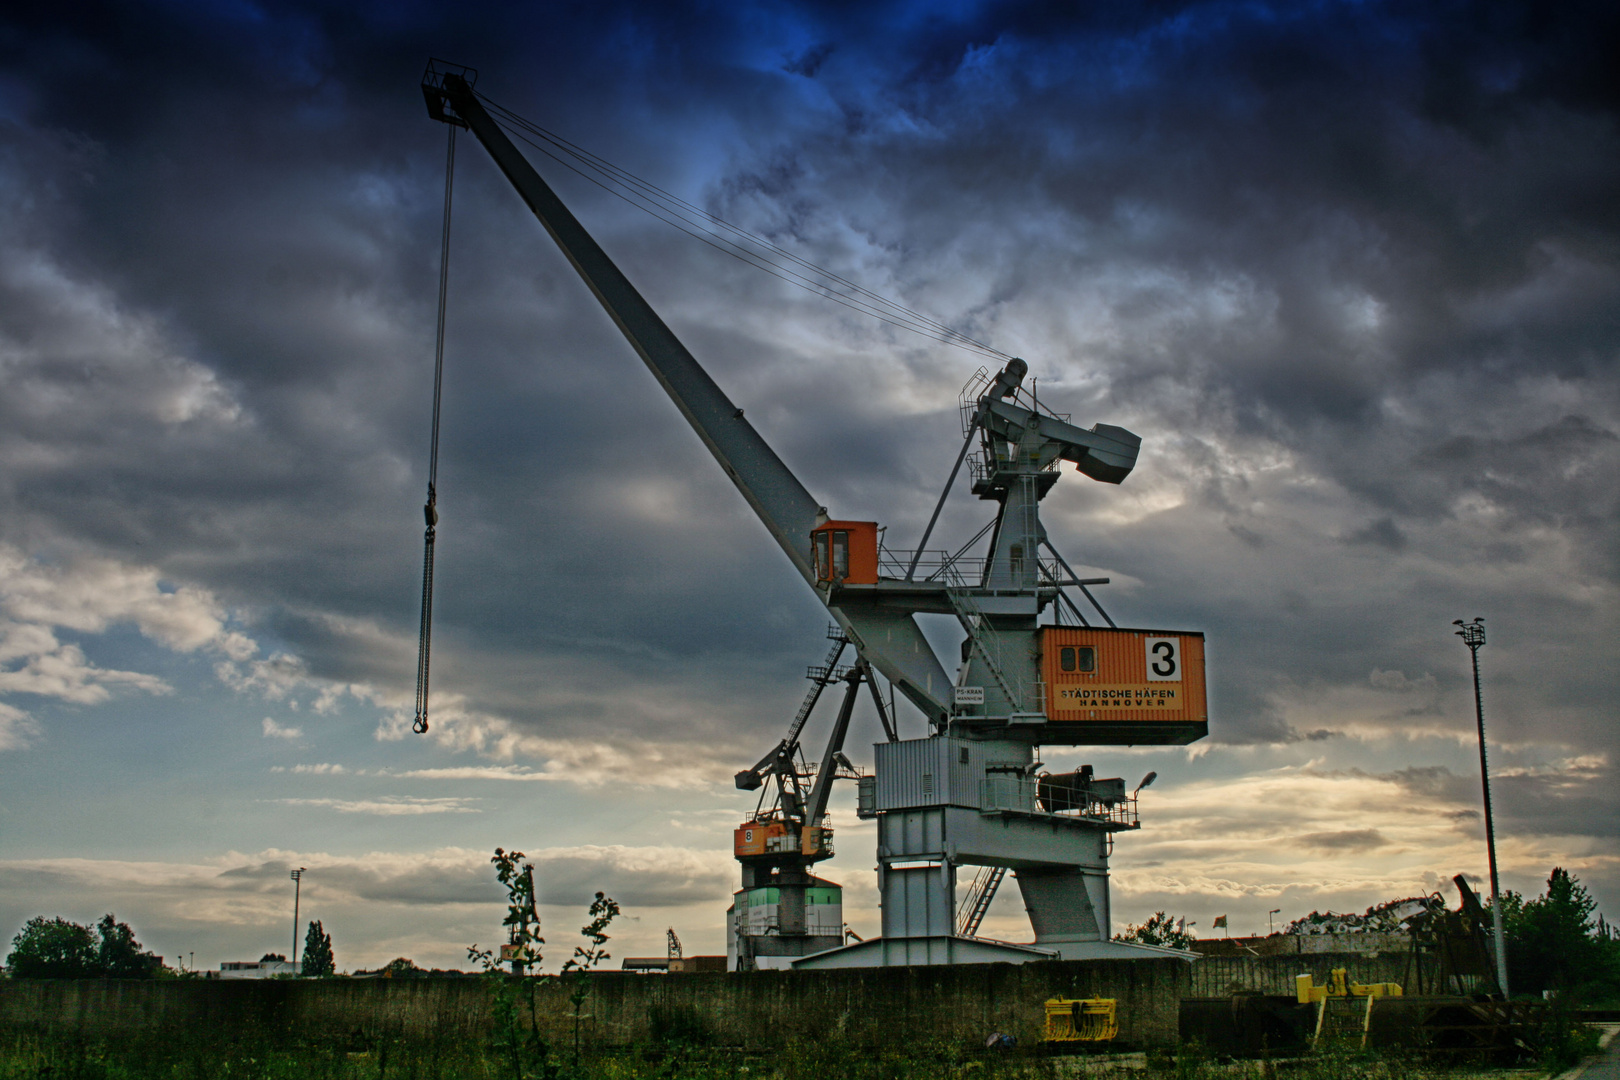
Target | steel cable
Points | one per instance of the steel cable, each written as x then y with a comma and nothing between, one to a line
680,214
430,510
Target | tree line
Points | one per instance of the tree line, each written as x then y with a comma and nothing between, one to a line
1556,942
57,948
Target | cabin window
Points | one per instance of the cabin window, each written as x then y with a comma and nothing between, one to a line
1077,659
823,565
840,555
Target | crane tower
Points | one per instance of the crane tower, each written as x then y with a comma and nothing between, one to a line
970,792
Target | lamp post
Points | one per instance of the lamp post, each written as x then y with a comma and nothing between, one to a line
298,885
1473,635
1271,929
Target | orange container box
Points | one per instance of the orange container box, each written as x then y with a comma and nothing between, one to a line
763,838
750,840
1103,676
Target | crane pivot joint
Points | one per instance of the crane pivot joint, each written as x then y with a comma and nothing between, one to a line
434,90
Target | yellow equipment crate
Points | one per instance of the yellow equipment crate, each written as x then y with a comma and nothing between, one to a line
1080,1020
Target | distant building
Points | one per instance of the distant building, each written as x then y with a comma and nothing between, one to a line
256,969
674,965
645,963
687,965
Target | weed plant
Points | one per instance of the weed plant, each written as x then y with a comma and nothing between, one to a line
265,1055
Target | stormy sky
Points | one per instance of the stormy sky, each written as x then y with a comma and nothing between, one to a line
1351,270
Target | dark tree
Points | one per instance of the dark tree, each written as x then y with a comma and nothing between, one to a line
119,955
1554,942
53,949
318,958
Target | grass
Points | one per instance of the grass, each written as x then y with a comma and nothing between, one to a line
261,1056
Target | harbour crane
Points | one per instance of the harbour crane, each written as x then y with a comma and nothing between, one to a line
970,792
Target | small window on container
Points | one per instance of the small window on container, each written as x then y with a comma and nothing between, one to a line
1066,659
1087,658
823,564
840,554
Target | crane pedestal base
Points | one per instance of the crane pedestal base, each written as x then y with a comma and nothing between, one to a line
943,949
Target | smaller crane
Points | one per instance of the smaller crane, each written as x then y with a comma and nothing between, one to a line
782,909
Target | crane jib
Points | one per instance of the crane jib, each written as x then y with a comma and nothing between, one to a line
891,642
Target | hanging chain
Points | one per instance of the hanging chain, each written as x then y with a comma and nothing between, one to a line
424,642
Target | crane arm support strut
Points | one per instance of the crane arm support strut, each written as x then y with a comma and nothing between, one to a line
816,805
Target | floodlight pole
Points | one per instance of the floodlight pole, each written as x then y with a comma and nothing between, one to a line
298,885
1473,635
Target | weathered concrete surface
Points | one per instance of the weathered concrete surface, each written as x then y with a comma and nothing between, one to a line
870,1007
759,1010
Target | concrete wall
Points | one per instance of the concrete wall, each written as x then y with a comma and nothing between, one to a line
871,1007
758,1010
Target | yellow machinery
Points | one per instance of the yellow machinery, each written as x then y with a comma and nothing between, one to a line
1340,1016
1337,986
1080,1020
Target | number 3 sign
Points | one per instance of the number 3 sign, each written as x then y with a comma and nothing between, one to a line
1164,659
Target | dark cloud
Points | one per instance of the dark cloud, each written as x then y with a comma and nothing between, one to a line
1382,533
1343,840
1351,270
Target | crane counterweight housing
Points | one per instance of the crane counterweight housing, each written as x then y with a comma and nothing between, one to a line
1033,671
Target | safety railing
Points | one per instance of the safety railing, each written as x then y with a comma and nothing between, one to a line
939,566
982,466
1018,795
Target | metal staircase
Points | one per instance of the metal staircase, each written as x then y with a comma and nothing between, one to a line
977,902
986,642
826,673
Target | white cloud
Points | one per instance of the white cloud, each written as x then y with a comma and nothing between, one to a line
89,596
587,760
273,730
273,678
476,772
51,668
389,805
17,728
